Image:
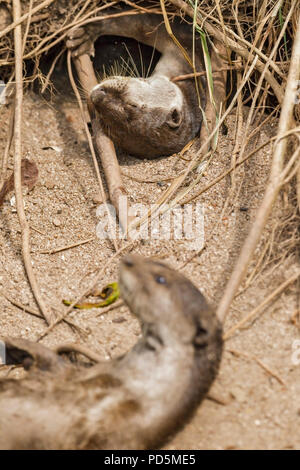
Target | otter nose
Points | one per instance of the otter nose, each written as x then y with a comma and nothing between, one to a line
97,94
128,261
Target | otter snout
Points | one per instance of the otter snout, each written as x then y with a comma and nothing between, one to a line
128,261
111,87
97,95
130,281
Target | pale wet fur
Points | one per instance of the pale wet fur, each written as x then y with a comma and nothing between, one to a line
148,117
134,402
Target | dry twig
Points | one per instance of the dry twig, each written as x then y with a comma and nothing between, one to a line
35,313
235,46
87,77
17,167
260,363
105,146
275,183
265,302
20,19
78,348
66,247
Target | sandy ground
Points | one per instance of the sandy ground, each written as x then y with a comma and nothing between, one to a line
252,408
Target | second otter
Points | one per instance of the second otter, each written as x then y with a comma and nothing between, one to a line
136,401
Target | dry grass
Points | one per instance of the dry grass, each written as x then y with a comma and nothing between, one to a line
258,37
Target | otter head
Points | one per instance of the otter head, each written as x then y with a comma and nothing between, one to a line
144,117
167,304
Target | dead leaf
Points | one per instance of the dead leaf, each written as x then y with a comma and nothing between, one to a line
29,177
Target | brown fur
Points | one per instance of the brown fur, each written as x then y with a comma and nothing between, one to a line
154,116
134,402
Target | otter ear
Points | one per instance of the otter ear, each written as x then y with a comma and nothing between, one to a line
201,337
174,118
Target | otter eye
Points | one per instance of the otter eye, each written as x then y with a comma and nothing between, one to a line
160,280
174,118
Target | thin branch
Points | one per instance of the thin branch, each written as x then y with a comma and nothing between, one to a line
95,281
20,19
255,311
188,76
39,49
17,166
90,79
66,247
166,196
37,314
242,51
274,185
7,146
78,348
260,363
226,172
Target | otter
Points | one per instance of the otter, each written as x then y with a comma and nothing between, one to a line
148,117
137,401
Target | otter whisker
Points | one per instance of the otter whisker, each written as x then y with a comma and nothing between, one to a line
131,60
152,58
